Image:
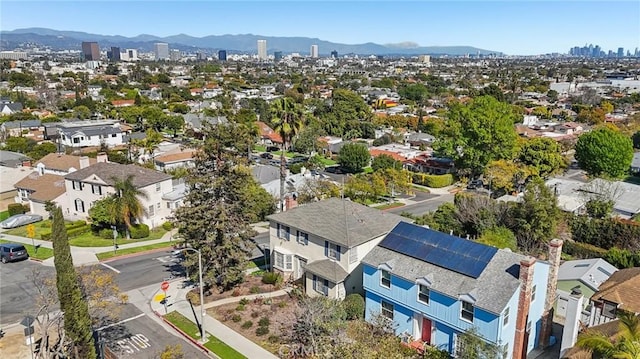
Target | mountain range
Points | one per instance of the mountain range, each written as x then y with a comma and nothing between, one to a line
243,43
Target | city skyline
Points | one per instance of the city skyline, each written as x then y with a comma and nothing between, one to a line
496,26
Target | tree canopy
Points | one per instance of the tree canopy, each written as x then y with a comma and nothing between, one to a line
544,155
604,152
354,157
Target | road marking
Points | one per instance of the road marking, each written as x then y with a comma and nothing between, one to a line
110,267
122,321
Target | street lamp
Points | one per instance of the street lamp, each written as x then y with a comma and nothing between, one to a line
201,290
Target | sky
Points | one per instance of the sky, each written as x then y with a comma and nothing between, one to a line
514,27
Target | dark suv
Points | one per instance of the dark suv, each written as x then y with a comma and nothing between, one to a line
10,252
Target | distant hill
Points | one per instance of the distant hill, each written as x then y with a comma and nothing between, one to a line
233,43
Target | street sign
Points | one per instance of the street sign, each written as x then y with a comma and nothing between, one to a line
164,286
28,321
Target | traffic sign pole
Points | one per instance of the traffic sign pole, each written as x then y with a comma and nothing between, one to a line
164,286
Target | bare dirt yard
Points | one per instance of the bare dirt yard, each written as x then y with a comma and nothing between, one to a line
252,285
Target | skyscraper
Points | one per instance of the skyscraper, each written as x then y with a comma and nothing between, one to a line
262,49
621,52
161,50
314,51
175,55
114,54
222,55
90,51
277,56
334,54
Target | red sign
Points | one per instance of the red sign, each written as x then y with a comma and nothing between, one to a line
164,286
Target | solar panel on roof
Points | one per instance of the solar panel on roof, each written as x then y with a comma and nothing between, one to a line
450,252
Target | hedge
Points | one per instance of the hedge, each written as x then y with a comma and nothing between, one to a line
71,233
138,231
583,250
15,208
433,181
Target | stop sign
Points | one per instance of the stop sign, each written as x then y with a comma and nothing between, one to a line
164,286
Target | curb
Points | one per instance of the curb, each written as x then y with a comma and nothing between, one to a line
130,255
187,336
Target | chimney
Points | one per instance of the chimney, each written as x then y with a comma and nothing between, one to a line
26,163
524,302
572,321
555,251
84,162
102,157
290,202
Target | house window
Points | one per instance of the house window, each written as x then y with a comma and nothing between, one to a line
158,187
321,285
284,232
332,250
283,261
169,205
302,238
423,294
96,189
114,135
152,211
76,140
533,293
77,185
528,328
385,278
353,255
79,204
158,206
505,317
458,346
387,309
466,311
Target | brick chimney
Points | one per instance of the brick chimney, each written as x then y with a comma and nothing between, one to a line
102,157
84,162
524,302
555,252
290,202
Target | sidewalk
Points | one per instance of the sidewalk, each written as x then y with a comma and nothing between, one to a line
176,301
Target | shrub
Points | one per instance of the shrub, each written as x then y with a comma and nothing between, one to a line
15,208
26,208
138,231
583,250
264,322
260,331
282,304
246,325
240,307
244,301
433,181
167,226
71,233
236,318
255,290
274,339
353,306
272,278
106,233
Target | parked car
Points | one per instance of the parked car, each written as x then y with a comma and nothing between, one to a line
10,252
475,184
19,220
267,155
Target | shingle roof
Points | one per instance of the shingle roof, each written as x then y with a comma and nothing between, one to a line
492,290
591,272
623,288
340,221
176,157
46,187
22,124
106,171
327,269
62,162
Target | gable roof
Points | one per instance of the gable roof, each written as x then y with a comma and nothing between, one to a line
268,132
591,272
623,288
492,289
46,187
186,155
62,162
106,171
340,221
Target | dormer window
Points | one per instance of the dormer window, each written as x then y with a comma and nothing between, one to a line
385,278
466,311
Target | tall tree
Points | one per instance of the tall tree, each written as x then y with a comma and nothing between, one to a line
213,219
544,154
126,206
287,122
354,157
605,151
77,322
625,345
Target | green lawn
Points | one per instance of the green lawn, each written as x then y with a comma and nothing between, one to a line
91,240
41,227
121,252
259,148
43,253
390,205
327,161
256,263
4,215
287,154
367,170
214,344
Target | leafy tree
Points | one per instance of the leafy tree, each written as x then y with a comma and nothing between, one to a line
307,140
544,155
599,208
174,123
214,219
81,112
317,190
19,144
506,175
353,306
604,151
385,161
625,344
258,203
475,347
414,92
552,95
479,132
536,217
354,157
494,91
287,123
444,219
126,206
500,237
41,150
77,322
592,116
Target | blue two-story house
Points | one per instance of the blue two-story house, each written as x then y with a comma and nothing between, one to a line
435,286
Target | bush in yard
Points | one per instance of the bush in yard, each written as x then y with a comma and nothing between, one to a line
282,304
433,181
106,233
248,324
15,208
264,322
236,318
274,339
244,301
240,307
354,306
26,208
260,331
272,278
139,230
255,290
167,226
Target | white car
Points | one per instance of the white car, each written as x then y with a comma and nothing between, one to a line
19,220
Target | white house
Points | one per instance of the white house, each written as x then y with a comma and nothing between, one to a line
322,243
91,133
85,186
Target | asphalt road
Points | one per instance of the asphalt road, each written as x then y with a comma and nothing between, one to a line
138,336
429,205
17,289
143,270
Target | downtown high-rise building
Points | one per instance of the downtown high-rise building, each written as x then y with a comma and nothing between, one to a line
222,55
621,52
161,50
175,55
262,50
114,54
314,51
90,51
277,56
334,54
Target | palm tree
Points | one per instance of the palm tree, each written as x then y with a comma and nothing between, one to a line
624,345
287,122
126,206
